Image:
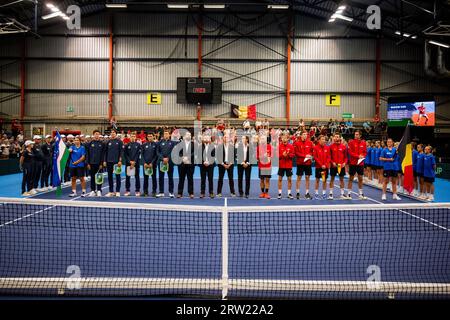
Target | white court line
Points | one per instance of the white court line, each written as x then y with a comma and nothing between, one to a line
39,211
408,213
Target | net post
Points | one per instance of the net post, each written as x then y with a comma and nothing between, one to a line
225,282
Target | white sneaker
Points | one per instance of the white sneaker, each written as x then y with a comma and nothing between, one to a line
430,199
83,194
138,194
99,193
117,194
396,197
33,191
73,194
383,197
171,195
26,194
92,194
362,197
330,196
349,196
127,194
343,197
110,194
160,195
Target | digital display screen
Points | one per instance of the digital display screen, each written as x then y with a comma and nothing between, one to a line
199,90
421,114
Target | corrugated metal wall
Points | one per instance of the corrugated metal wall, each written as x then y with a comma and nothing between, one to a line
333,65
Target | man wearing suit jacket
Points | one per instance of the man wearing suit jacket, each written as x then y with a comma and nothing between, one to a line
207,166
225,155
244,166
186,167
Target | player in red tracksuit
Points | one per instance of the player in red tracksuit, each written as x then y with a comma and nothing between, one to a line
338,162
322,157
285,155
422,114
303,148
264,156
357,150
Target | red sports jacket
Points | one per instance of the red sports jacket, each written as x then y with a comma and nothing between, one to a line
355,149
338,153
302,149
322,156
285,161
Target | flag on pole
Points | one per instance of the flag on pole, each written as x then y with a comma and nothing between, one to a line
244,112
405,154
60,157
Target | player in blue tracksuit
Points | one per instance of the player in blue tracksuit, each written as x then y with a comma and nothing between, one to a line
415,153
77,166
377,165
368,161
94,161
132,155
389,157
429,167
419,170
113,156
150,155
164,150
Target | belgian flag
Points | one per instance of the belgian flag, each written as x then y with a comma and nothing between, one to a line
405,154
244,112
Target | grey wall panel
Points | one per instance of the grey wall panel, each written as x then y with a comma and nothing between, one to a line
55,105
334,49
443,106
151,75
10,107
407,77
135,105
270,79
154,48
86,47
95,24
67,75
10,73
306,26
313,106
404,51
125,23
244,48
333,77
10,47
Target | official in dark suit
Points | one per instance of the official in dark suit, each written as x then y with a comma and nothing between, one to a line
225,158
186,166
207,166
244,166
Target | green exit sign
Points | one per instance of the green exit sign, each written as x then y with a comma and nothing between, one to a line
348,115
69,109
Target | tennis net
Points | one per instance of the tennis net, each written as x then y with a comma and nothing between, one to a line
87,248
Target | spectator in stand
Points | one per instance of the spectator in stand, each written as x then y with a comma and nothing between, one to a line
349,126
367,127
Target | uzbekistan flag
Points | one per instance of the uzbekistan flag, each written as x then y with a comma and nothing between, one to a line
405,154
244,112
60,157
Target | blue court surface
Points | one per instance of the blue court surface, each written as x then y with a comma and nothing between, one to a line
285,248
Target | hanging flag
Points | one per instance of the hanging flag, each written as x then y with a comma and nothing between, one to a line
405,155
243,112
60,157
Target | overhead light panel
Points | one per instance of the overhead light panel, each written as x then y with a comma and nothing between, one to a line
406,35
278,6
440,44
116,5
177,6
214,6
340,16
51,15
